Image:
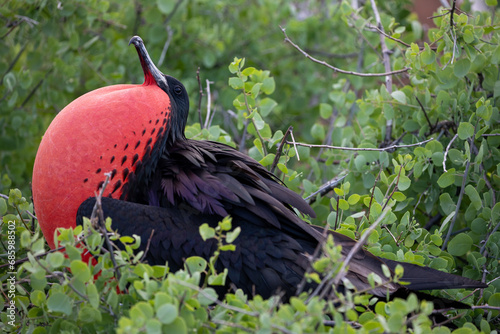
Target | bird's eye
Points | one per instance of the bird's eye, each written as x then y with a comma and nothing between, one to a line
178,90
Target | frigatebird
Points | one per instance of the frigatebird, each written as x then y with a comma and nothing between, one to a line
162,181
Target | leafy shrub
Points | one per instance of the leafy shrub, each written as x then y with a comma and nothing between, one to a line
418,149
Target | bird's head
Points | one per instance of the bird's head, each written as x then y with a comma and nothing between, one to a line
171,86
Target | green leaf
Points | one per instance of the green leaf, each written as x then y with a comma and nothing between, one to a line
208,296
3,207
165,6
465,130
399,196
255,90
80,270
88,314
447,179
37,298
353,199
428,56
460,245
399,96
196,264
325,110
206,232
462,67
268,86
93,295
167,313
236,83
404,183
495,213
248,71
59,302
266,106
178,326
446,203
473,196
318,131
55,259
343,205
231,236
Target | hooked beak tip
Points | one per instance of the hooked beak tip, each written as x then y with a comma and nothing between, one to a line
135,40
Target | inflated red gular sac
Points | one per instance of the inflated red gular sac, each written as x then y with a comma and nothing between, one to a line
164,186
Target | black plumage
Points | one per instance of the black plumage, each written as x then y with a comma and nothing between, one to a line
183,183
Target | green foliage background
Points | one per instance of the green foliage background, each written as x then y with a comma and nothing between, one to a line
439,199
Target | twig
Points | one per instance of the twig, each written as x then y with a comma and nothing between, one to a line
209,104
343,269
97,210
447,149
230,324
170,33
373,193
287,39
392,147
490,135
294,145
488,237
147,245
326,187
484,307
425,114
172,13
386,35
387,65
30,95
459,201
358,246
280,149
200,96
13,62
452,11
215,300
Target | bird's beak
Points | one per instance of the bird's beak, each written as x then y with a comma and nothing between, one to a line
152,75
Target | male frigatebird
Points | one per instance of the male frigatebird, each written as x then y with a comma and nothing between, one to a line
164,182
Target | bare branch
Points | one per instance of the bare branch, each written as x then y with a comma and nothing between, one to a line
326,187
447,149
170,33
294,145
200,96
425,113
386,35
387,65
100,223
459,201
287,39
358,246
388,148
209,104
280,149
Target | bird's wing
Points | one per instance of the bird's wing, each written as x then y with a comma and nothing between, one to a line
216,179
265,261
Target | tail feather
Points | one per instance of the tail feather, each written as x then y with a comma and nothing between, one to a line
425,278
